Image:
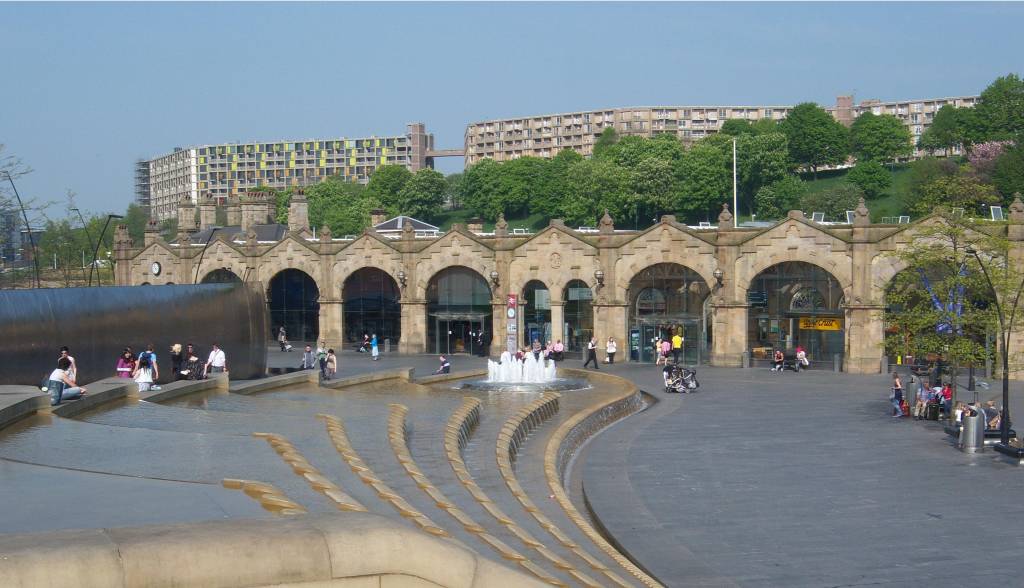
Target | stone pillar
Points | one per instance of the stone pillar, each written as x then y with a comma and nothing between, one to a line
122,256
610,321
251,210
728,334
557,320
152,234
332,314
186,216
414,327
865,339
499,322
207,212
298,213
377,216
475,225
233,211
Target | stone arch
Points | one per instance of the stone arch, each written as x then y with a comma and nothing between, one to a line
665,300
664,244
371,301
536,311
458,308
749,267
220,275
427,269
293,301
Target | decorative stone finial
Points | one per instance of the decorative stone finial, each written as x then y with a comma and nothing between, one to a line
501,226
325,233
668,219
797,214
250,239
861,214
1016,209
607,224
408,234
724,217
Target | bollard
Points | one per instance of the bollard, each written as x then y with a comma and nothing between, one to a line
885,364
837,362
387,345
745,361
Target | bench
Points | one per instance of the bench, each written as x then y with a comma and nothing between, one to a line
992,436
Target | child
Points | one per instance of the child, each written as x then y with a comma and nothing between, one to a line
332,364
143,374
446,366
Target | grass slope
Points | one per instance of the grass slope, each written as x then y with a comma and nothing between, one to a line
890,203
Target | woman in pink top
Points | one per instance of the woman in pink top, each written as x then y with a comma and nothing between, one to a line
125,365
666,349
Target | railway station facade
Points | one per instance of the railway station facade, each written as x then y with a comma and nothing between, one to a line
732,292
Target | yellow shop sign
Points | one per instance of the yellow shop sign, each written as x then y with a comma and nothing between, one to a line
821,324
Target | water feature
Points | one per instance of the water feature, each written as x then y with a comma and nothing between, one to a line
531,374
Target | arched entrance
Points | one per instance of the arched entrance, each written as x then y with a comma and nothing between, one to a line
458,312
795,303
579,317
292,297
666,299
537,313
221,276
371,306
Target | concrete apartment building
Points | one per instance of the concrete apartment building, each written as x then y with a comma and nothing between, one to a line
546,135
231,169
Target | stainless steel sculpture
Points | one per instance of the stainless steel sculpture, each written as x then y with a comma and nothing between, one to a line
98,323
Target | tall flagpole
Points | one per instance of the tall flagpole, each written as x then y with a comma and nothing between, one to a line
735,200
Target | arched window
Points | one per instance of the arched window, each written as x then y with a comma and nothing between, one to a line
458,312
667,299
536,313
292,297
579,317
371,299
221,276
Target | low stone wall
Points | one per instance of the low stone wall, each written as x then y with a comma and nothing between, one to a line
184,388
402,374
99,393
346,549
435,379
262,384
18,402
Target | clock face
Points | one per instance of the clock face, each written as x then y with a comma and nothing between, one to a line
155,268
511,313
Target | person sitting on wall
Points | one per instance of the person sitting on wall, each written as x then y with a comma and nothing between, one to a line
559,350
778,361
61,385
446,366
802,362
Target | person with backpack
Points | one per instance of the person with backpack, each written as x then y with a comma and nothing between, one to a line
896,396
150,356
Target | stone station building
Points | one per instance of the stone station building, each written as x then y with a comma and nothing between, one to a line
730,291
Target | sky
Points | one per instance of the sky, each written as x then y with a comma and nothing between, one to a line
86,89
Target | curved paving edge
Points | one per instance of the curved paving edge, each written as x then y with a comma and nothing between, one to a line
568,438
326,549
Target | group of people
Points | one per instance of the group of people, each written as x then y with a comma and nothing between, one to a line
185,365
800,360
665,347
928,393
323,359
610,349
370,345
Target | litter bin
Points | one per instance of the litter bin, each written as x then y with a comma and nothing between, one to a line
931,411
972,433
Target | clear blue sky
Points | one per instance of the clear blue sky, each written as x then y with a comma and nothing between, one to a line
88,88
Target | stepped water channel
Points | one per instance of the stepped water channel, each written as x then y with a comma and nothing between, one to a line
427,454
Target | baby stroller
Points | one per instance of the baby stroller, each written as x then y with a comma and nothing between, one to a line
679,379
286,345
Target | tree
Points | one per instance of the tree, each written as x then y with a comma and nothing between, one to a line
734,127
453,193
761,160
776,199
925,171
704,180
136,218
655,186
984,156
1008,175
947,131
1000,111
871,177
834,201
343,206
814,137
386,182
479,184
879,138
605,141
630,151
960,191
594,185
423,195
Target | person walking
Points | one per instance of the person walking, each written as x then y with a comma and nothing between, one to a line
125,365
657,352
332,364
374,350
591,353
282,338
217,363
897,395
609,349
677,345
666,349
309,360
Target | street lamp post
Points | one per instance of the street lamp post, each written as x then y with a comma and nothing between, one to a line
96,250
1004,333
88,237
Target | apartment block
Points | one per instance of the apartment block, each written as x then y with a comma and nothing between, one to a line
234,168
546,135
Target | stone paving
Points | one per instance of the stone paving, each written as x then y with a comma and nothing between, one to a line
784,479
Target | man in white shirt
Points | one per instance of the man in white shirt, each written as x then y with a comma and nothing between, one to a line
217,362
